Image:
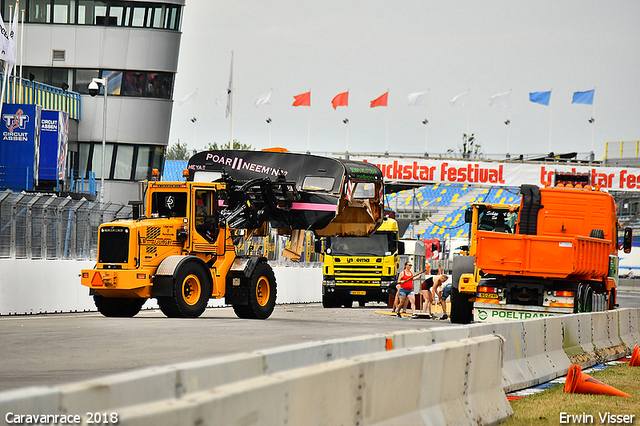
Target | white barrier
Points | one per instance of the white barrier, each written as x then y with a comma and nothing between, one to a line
604,329
578,341
629,327
51,286
364,390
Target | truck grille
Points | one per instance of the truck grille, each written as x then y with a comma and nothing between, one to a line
114,245
357,273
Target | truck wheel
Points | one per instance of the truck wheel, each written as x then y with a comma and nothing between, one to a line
191,292
587,299
612,299
262,294
115,307
461,308
329,301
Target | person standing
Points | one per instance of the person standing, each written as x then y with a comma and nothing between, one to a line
405,279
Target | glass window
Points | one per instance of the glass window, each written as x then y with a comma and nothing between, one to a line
158,16
124,162
39,11
317,183
61,75
92,12
158,158
134,83
64,11
83,78
115,15
364,190
83,158
158,85
41,75
138,16
143,163
114,82
96,163
127,16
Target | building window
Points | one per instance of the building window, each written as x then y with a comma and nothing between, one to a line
137,19
96,160
83,78
143,161
64,11
39,11
124,162
114,82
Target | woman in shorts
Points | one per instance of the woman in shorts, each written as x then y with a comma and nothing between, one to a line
405,280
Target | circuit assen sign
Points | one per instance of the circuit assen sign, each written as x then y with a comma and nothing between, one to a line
498,174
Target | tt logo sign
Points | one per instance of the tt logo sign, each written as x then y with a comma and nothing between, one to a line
16,121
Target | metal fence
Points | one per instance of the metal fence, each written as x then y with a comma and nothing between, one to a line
44,226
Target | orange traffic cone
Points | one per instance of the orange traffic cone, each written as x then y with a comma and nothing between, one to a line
579,382
635,357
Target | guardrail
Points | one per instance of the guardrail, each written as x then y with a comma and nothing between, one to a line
449,375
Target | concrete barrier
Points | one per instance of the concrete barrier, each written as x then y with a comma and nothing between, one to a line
363,390
629,324
604,329
578,340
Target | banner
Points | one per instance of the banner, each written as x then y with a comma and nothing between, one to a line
19,146
485,173
54,137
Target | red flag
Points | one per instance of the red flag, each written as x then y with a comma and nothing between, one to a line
303,99
341,99
381,101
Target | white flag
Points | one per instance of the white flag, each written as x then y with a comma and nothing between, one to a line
264,99
500,100
4,42
417,99
225,98
188,99
460,100
12,37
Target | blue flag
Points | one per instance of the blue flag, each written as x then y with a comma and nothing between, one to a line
540,97
583,97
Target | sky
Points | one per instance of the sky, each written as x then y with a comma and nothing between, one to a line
445,48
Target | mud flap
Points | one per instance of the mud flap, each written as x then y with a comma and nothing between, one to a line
237,282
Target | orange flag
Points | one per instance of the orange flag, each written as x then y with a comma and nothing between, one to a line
341,99
380,101
303,99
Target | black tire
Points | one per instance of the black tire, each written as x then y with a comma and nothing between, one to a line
361,303
587,299
612,299
329,301
191,292
461,307
597,233
262,294
115,307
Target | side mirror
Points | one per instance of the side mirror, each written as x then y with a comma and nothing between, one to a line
400,247
468,215
628,240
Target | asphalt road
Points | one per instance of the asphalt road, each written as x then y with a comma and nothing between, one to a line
62,348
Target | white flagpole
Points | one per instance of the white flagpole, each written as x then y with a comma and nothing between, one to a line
550,122
509,126
386,141
309,130
15,54
21,51
468,111
426,123
7,72
231,102
593,125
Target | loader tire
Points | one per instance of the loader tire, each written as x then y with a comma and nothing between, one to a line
191,292
115,307
262,294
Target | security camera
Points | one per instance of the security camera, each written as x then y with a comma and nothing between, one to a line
93,88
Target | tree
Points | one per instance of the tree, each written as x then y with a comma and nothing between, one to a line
177,151
236,145
470,148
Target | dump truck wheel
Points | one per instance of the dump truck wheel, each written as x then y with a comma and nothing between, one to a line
461,308
117,307
586,299
191,292
329,301
262,291
612,299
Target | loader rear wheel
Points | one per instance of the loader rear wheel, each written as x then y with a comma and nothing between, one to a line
115,307
262,294
191,292
461,308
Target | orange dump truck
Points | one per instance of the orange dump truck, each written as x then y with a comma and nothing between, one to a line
555,253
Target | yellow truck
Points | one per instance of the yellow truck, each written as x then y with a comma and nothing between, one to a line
362,269
179,247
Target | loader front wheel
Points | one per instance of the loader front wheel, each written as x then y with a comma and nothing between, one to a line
115,307
262,294
191,293
461,308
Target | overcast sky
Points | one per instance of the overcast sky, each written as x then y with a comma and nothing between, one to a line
443,47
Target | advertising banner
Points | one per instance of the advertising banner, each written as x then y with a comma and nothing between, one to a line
19,146
425,171
54,137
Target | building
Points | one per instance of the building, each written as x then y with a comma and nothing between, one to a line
134,44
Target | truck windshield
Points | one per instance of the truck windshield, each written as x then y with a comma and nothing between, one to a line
169,204
375,245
